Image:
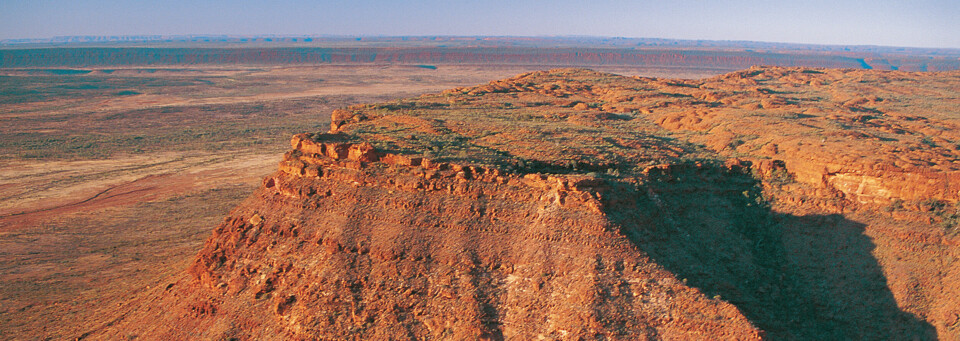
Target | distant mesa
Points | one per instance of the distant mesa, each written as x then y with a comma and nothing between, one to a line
431,51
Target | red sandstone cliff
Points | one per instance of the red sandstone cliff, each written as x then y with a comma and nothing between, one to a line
791,203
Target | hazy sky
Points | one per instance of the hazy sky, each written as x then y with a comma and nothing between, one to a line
924,23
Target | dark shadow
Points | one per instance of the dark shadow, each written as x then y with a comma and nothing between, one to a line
807,277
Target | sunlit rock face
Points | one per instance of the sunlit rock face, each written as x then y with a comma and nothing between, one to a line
572,204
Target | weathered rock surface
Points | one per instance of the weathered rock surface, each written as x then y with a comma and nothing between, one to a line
572,204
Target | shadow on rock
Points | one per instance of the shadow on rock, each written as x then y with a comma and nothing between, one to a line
796,277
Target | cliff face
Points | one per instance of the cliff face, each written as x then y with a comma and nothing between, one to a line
578,205
348,242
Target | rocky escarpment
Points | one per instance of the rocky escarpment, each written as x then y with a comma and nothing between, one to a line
349,242
572,204
858,132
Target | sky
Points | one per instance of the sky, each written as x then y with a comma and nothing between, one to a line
916,23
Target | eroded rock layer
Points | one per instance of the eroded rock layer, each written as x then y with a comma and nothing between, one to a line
572,204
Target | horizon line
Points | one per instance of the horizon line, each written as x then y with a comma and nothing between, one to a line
147,38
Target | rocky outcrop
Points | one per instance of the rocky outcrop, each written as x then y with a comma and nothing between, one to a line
572,204
350,242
